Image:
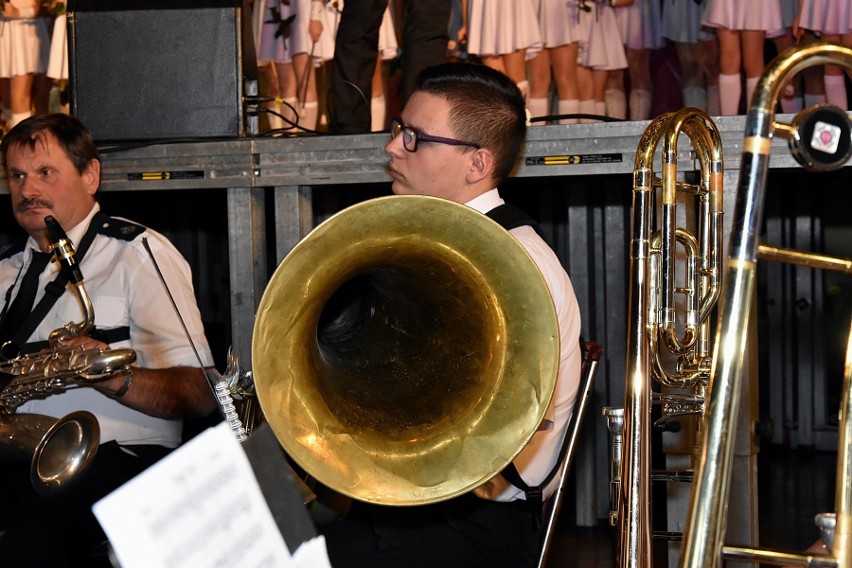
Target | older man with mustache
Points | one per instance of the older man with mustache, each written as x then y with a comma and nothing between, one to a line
53,169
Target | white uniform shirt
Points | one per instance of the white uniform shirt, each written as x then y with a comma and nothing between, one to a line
539,456
125,290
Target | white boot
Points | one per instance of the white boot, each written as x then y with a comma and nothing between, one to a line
640,104
537,108
309,115
273,118
730,90
587,107
289,110
569,106
616,103
835,90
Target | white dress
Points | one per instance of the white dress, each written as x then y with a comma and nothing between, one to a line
24,43
682,21
388,44
271,48
826,16
752,15
600,45
640,24
324,50
57,65
558,21
290,21
500,27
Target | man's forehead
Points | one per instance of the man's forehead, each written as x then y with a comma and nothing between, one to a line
427,111
42,144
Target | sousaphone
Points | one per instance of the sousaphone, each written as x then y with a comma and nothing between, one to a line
405,350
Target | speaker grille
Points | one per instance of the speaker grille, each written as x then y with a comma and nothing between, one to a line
156,74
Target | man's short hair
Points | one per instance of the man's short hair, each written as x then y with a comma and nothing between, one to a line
486,108
71,134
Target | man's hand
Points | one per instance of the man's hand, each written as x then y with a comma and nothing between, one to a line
492,488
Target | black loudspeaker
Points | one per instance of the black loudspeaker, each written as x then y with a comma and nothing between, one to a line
157,69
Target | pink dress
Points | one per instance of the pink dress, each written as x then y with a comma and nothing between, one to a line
832,17
558,21
740,15
600,45
500,27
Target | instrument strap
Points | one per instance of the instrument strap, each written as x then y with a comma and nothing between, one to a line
533,493
55,289
510,217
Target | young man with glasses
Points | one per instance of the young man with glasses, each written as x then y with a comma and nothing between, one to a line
459,137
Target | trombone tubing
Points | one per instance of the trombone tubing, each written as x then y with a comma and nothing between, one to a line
634,509
634,548
808,259
705,527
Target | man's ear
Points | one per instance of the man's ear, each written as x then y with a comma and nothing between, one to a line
92,176
481,166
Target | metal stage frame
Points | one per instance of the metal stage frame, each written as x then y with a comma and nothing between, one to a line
295,166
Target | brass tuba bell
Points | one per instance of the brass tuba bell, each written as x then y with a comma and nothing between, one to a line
405,351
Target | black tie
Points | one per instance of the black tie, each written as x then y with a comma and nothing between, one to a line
23,303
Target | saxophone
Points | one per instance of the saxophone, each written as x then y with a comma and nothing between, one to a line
61,450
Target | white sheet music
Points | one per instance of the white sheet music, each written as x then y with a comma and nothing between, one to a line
200,506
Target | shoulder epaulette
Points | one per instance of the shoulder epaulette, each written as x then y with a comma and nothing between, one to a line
120,229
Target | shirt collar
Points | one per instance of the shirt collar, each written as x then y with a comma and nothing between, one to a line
487,201
76,233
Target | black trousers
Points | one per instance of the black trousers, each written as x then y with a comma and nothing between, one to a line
61,530
464,532
424,43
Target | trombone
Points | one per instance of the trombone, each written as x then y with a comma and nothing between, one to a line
820,139
656,334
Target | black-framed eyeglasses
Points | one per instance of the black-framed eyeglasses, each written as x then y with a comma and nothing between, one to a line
411,137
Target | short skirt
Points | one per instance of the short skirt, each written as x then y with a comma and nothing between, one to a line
24,46
833,17
500,27
752,15
640,24
682,21
558,21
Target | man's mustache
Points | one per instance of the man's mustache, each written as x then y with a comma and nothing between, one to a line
35,202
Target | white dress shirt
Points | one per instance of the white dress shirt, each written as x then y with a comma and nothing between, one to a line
539,456
120,278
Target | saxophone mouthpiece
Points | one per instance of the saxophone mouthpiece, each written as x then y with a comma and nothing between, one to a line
64,250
